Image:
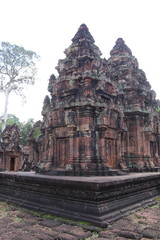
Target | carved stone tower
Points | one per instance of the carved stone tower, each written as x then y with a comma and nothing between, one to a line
101,116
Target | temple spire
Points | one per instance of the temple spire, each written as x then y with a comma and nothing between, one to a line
83,34
81,56
120,48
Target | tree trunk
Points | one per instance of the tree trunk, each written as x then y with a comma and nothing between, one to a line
5,110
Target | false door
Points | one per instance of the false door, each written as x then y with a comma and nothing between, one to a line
63,152
110,152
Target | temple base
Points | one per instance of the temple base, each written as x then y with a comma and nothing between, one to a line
64,172
97,200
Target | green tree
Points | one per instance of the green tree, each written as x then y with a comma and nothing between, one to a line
11,119
17,69
31,129
25,129
36,133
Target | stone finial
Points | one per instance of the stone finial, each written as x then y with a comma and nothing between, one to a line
81,56
51,83
52,77
46,105
46,102
83,34
120,48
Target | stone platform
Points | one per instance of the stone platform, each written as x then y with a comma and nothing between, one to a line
98,200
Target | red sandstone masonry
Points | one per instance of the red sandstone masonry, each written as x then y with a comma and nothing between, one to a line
100,116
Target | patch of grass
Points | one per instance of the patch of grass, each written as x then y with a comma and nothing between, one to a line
2,215
84,225
69,221
17,219
47,216
94,235
37,214
155,206
4,206
4,209
158,199
33,213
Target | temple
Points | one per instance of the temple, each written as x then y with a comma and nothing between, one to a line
13,154
101,117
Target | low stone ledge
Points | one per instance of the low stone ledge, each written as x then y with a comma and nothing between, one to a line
98,200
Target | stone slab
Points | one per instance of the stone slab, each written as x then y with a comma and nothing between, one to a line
98,200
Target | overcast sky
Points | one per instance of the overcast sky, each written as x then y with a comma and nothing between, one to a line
47,27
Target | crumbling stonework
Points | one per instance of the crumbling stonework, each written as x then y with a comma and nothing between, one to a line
101,116
12,153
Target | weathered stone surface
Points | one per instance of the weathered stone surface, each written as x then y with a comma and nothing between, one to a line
100,116
129,234
79,233
44,236
101,238
151,233
50,223
107,234
24,238
65,236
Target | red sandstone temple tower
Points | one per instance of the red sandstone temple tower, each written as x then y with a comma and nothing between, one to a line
101,115
12,153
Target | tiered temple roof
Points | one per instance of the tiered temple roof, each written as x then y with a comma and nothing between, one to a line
101,116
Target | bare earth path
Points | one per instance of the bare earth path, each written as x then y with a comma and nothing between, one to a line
20,224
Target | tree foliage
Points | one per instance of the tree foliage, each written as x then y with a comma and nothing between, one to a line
36,133
25,128
17,69
11,119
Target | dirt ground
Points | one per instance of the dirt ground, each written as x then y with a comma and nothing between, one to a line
20,224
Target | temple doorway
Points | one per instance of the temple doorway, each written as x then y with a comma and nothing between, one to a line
12,163
153,149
